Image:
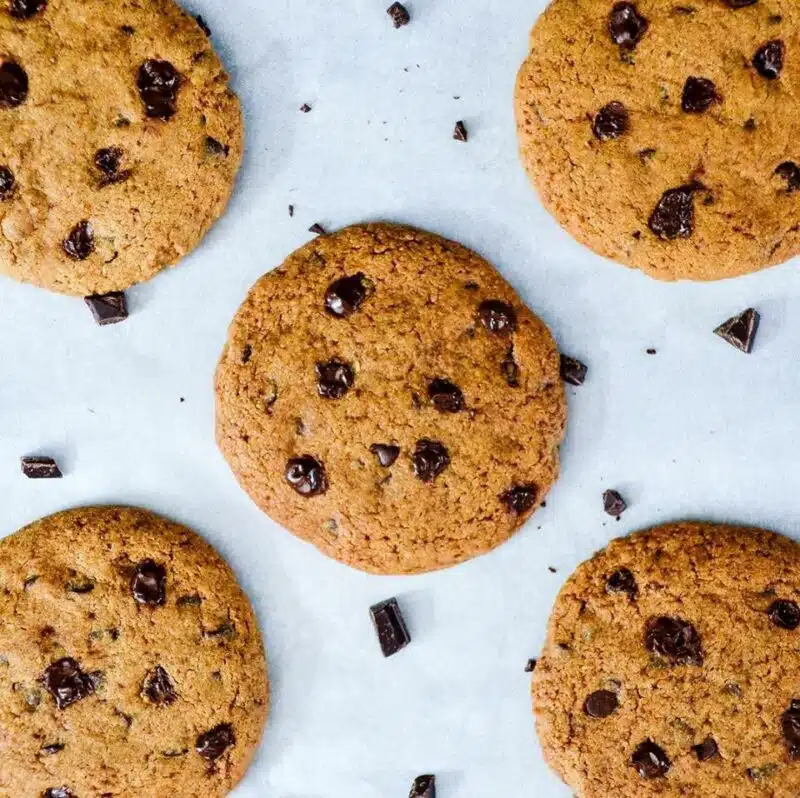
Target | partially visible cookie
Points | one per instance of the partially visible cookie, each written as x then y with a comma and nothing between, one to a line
119,141
130,661
387,396
671,667
664,135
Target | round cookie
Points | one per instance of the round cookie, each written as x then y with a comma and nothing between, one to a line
665,135
130,661
386,396
119,141
671,667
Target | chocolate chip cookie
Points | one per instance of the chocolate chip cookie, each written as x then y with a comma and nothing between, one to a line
387,396
664,134
130,661
671,667
119,141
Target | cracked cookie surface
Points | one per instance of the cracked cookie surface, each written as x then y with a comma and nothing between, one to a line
671,667
386,396
663,134
119,141
130,661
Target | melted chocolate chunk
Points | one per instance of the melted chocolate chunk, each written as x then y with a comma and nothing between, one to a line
158,688
650,760
785,614
573,372
424,787
386,453
769,58
626,25
740,3
149,583
790,172
7,183
675,640
51,749
611,122
623,581
673,217
520,499
390,626
58,792
108,162
740,331
158,83
110,308
67,683
345,296
430,459
216,148
446,396
79,244
497,317
334,379
307,476
601,704
214,743
25,9
699,94
706,750
203,25
790,723
13,85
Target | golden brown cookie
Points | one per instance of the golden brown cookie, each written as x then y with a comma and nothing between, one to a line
130,661
119,141
671,667
386,396
664,135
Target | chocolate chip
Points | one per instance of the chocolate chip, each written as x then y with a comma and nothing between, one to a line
424,787
430,459
13,85
334,379
460,132
699,94
202,25
108,161
740,331
785,614
345,295
216,148
626,25
445,395
520,499
675,640
613,503
40,468
158,688
212,744
706,750
790,172
67,683
650,760
790,722
386,453
7,183
390,627
497,317
79,244
601,704
509,369
399,14
317,229
573,372
530,666
623,581
25,9
673,216
769,58
307,476
58,792
611,122
149,583
108,308
158,83
305,108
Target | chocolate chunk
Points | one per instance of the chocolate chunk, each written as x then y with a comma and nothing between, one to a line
785,614
334,379
601,704
699,94
305,108
212,744
424,787
345,295
40,468
386,453
108,308
51,748
611,122
613,503
573,372
740,331
675,640
79,244
520,499
108,162
790,172
203,25
58,792
430,459
626,25
216,148
390,627
149,583
497,317
706,750
530,666
650,760
67,683
13,85
623,581
460,132
158,688
7,183
673,216
399,14
317,229
158,83
790,723
769,58
25,9
307,476
445,395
